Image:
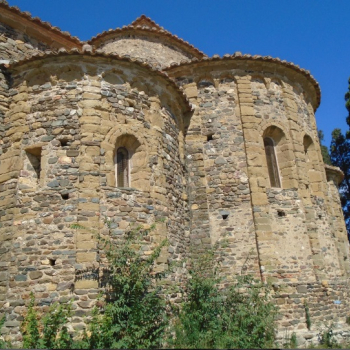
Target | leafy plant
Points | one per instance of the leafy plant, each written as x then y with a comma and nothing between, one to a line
242,316
290,342
30,326
3,344
51,330
132,312
307,315
326,338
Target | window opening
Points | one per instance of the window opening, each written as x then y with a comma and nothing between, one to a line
271,162
210,137
52,262
34,157
281,213
65,196
63,142
224,216
122,167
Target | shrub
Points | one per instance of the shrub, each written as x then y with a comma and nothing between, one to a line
242,316
51,330
132,312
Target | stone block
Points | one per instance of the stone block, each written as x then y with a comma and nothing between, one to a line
86,284
86,245
86,257
34,275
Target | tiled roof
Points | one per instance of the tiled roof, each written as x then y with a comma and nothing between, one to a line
88,51
145,24
5,10
239,56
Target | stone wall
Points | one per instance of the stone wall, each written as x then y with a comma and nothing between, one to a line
72,118
284,234
15,45
154,49
203,172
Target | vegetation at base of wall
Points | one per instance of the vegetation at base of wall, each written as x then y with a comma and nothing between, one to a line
290,341
307,315
49,331
242,316
133,311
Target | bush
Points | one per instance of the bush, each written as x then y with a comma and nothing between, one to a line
242,316
51,330
132,312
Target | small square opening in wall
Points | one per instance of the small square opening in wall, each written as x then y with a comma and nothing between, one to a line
209,137
64,142
52,262
65,196
34,157
224,216
281,213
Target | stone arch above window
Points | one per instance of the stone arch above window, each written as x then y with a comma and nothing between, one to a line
271,160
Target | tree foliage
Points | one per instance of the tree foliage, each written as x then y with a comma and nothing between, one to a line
324,149
340,157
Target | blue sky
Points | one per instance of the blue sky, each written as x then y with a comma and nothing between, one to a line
312,34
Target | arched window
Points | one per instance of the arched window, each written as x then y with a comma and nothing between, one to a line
308,147
122,164
271,161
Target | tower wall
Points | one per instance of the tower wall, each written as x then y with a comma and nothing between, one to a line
205,173
283,233
71,114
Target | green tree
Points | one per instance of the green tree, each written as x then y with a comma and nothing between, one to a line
340,157
324,149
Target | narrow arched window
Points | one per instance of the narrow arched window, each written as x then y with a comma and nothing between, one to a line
271,161
122,160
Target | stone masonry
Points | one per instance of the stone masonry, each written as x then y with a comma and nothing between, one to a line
195,130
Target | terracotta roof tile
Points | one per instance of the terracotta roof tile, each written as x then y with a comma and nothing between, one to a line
99,53
44,24
238,56
145,24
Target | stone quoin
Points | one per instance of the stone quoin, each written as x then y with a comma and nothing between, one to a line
137,125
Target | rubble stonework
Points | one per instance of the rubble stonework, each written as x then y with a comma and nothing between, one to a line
194,128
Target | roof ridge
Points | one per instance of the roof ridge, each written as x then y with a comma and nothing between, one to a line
143,20
138,24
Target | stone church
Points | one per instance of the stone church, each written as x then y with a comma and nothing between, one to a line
138,125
